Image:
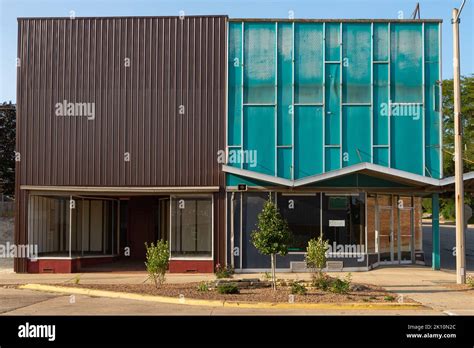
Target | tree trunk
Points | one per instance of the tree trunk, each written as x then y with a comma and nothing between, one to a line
273,272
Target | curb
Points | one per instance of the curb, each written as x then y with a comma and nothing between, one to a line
218,303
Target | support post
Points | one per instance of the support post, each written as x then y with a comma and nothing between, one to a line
435,259
458,162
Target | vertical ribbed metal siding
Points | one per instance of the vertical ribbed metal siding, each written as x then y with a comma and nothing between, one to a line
173,62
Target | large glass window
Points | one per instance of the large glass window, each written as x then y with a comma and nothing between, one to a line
191,227
344,219
89,228
302,212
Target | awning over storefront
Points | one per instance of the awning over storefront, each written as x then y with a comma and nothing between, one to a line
373,170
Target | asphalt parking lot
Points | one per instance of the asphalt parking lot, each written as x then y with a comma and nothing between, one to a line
447,243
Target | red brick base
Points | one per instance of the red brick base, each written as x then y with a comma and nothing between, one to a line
64,265
80,265
191,266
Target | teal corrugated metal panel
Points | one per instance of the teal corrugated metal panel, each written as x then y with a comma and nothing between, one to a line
291,75
308,62
234,180
332,124
406,66
235,84
284,162
259,136
356,55
259,63
356,144
357,180
308,141
381,42
432,112
332,158
406,135
381,156
285,84
332,42
381,106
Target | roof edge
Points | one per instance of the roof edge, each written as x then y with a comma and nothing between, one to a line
122,17
347,20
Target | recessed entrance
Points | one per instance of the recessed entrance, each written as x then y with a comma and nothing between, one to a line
394,234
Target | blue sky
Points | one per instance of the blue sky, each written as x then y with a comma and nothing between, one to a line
11,9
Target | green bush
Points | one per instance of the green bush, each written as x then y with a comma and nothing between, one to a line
322,281
157,261
341,286
316,254
203,287
228,288
223,271
298,289
389,298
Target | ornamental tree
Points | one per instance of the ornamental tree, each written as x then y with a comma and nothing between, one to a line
272,236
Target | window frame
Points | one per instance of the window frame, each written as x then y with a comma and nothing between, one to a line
191,258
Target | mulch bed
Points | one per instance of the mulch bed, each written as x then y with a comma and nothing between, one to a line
369,293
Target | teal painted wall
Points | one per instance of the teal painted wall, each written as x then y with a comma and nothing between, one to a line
312,97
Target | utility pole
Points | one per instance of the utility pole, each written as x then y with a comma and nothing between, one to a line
458,161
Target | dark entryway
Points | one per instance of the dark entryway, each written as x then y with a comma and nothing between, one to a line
148,221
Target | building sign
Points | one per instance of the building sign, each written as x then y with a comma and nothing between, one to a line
337,223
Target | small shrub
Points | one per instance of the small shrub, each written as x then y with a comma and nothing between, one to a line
341,286
157,260
321,281
470,281
316,254
267,276
228,288
389,298
77,279
223,271
203,287
298,289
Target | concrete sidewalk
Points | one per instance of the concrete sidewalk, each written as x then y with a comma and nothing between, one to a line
431,288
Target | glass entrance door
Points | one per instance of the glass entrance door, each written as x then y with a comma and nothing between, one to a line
405,233
384,231
394,240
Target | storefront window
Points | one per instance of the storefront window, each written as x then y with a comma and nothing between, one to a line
90,230
302,212
191,227
344,219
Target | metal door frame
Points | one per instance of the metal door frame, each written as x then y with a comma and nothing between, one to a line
378,209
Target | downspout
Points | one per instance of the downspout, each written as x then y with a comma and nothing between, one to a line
232,199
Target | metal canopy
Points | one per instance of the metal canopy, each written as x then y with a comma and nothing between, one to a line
374,170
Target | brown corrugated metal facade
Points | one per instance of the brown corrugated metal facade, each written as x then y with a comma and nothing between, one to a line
158,89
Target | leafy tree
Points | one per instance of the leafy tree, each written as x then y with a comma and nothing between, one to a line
272,236
7,148
467,112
